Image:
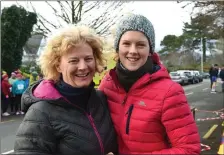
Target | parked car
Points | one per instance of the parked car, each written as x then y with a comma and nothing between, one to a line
180,78
205,75
192,78
201,78
198,75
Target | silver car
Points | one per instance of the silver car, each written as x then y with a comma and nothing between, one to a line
180,78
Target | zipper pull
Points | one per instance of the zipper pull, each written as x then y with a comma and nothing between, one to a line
125,98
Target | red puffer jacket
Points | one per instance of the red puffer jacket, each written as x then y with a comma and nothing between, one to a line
5,87
153,117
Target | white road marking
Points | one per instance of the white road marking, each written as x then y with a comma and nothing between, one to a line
8,152
205,89
189,93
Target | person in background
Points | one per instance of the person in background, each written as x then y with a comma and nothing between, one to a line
18,87
40,76
65,115
5,86
210,75
26,80
214,75
221,75
150,112
12,79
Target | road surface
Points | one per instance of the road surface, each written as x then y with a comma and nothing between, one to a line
198,96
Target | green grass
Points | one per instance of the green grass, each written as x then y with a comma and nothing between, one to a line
110,65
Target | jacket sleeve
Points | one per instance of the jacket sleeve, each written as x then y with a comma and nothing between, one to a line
35,136
179,123
5,88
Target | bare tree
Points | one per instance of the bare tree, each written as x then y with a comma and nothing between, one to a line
99,15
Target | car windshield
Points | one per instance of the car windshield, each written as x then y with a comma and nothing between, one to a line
187,73
174,74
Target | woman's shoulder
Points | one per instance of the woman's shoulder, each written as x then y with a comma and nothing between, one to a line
101,96
108,80
42,106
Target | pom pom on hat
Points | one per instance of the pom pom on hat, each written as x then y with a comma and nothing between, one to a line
13,73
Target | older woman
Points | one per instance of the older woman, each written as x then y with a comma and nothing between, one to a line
65,114
150,112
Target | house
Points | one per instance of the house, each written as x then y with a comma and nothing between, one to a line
33,48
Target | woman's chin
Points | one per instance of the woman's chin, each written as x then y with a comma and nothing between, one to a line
83,83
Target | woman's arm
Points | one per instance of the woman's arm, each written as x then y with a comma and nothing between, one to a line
179,123
35,135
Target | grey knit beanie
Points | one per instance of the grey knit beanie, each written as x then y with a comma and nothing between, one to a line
136,23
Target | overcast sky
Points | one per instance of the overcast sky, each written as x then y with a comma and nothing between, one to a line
166,16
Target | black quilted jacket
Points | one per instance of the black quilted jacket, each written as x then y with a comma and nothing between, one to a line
55,127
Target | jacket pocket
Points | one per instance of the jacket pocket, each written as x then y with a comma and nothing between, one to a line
129,112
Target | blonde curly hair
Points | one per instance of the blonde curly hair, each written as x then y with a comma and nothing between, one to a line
62,42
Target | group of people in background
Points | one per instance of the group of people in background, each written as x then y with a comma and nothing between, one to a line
12,89
215,72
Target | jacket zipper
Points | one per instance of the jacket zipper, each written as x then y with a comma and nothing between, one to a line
125,99
93,125
96,132
129,112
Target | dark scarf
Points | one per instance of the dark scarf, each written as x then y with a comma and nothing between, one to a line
128,78
77,96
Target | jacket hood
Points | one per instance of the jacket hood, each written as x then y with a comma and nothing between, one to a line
160,73
40,91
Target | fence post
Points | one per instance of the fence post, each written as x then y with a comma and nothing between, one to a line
193,109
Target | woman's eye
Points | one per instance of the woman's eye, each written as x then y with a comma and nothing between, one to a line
126,43
89,59
73,61
141,45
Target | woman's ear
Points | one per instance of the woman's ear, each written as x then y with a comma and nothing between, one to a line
58,68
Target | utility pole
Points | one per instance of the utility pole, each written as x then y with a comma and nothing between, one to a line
202,66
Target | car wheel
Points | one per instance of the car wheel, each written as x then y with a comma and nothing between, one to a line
194,81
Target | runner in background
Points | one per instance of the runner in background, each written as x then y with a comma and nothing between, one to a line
210,75
5,88
12,79
18,87
221,75
214,76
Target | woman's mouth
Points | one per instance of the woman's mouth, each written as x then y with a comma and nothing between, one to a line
82,75
132,59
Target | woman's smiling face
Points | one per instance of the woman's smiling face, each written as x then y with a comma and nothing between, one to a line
78,66
134,50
